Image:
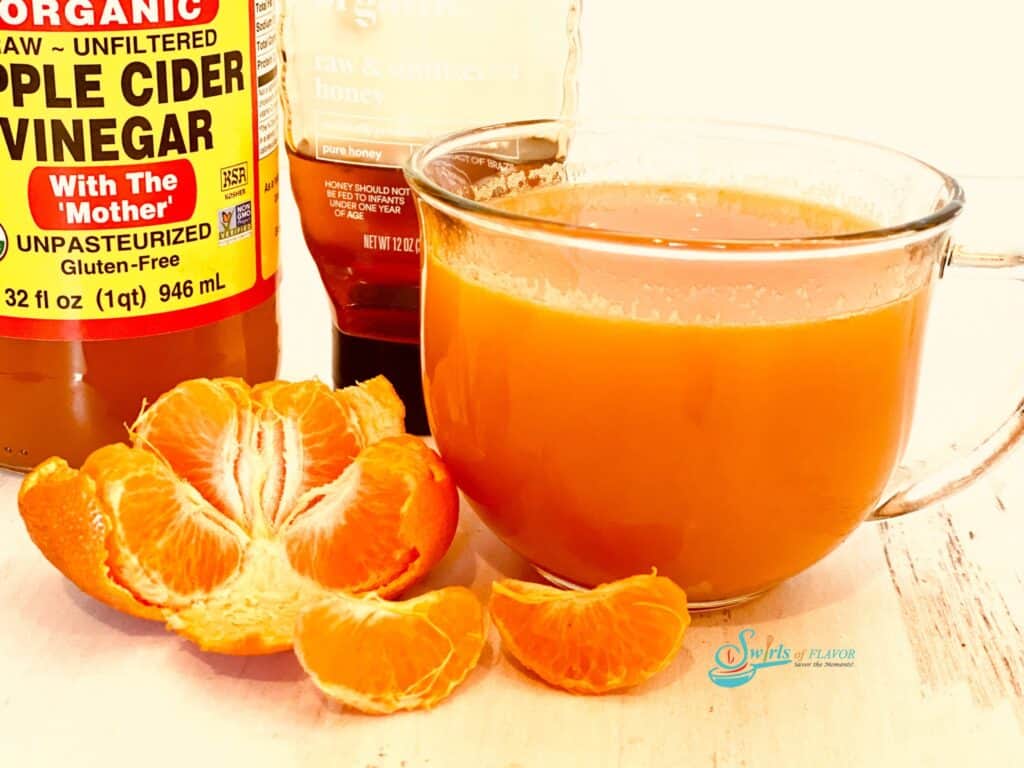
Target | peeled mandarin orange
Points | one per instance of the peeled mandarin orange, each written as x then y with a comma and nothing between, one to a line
379,656
234,507
614,636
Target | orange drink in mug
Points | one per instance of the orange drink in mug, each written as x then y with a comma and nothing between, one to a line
689,346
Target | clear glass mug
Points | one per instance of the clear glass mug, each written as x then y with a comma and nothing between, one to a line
724,411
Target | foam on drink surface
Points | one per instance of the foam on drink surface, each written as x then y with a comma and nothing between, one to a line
729,290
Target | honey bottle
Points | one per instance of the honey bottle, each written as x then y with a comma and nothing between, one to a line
138,228
364,83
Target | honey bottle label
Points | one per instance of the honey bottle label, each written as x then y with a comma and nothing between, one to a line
138,158
369,80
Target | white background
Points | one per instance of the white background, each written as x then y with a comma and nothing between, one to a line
942,80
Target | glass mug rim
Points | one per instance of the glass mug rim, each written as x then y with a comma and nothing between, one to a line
635,244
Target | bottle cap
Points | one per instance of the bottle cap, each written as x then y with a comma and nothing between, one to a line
357,358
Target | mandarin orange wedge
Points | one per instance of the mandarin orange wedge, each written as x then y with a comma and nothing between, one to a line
614,636
234,507
379,657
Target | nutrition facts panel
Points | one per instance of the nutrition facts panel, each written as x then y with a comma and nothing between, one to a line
265,31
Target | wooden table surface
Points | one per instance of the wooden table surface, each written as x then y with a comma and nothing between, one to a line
932,606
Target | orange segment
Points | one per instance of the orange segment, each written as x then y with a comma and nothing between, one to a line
375,408
379,656
65,520
305,425
170,546
314,433
381,525
614,636
201,428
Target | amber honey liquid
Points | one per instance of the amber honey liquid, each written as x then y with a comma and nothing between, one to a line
360,225
368,257
602,441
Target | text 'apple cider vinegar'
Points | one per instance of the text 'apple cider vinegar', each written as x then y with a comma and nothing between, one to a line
138,223
365,82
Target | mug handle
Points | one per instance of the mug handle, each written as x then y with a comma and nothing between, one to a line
965,465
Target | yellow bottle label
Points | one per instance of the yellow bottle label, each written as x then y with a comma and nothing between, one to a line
138,157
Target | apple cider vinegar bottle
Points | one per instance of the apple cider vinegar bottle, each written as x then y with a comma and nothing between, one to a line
138,222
